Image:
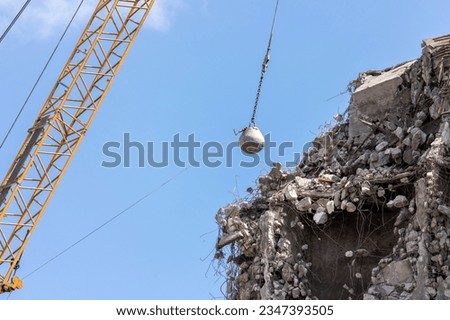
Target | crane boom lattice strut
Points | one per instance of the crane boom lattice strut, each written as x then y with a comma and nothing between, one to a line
61,124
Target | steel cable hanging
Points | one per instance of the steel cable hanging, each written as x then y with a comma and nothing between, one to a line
14,20
40,75
264,69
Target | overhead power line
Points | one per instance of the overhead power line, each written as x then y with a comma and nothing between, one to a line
14,20
40,75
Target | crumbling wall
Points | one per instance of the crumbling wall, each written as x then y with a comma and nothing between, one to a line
366,213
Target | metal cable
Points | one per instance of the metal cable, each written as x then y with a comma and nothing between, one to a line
264,69
40,76
14,20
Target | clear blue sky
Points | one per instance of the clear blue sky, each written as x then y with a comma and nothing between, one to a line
193,70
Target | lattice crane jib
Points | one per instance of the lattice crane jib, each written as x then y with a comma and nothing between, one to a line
61,125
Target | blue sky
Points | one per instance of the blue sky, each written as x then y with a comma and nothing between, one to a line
193,70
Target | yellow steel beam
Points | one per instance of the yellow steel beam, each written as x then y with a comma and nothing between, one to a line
61,125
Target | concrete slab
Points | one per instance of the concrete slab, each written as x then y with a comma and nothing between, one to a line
376,96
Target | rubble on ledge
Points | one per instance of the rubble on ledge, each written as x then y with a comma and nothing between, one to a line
366,214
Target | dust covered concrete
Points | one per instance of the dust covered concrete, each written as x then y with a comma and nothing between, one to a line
366,214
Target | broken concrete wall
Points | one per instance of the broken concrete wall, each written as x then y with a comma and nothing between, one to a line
366,214
377,96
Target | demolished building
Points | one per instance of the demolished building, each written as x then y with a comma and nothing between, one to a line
366,214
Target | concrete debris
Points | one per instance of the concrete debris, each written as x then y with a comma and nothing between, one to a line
444,210
304,204
320,217
397,272
374,95
290,194
350,207
362,253
226,239
400,201
368,204
330,207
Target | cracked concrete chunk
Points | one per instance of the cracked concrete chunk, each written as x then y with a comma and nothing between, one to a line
349,254
290,194
329,178
376,95
409,287
397,273
399,133
320,217
386,289
417,138
400,201
296,293
445,134
365,188
403,216
304,204
382,159
287,273
444,210
422,116
412,246
302,271
303,182
374,157
396,153
330,206
350,207
226,239
381,146
431,291
362,253
408,156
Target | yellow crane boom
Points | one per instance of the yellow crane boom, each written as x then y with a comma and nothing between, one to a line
61,125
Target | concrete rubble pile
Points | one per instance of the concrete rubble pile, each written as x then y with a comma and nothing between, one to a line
366,214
